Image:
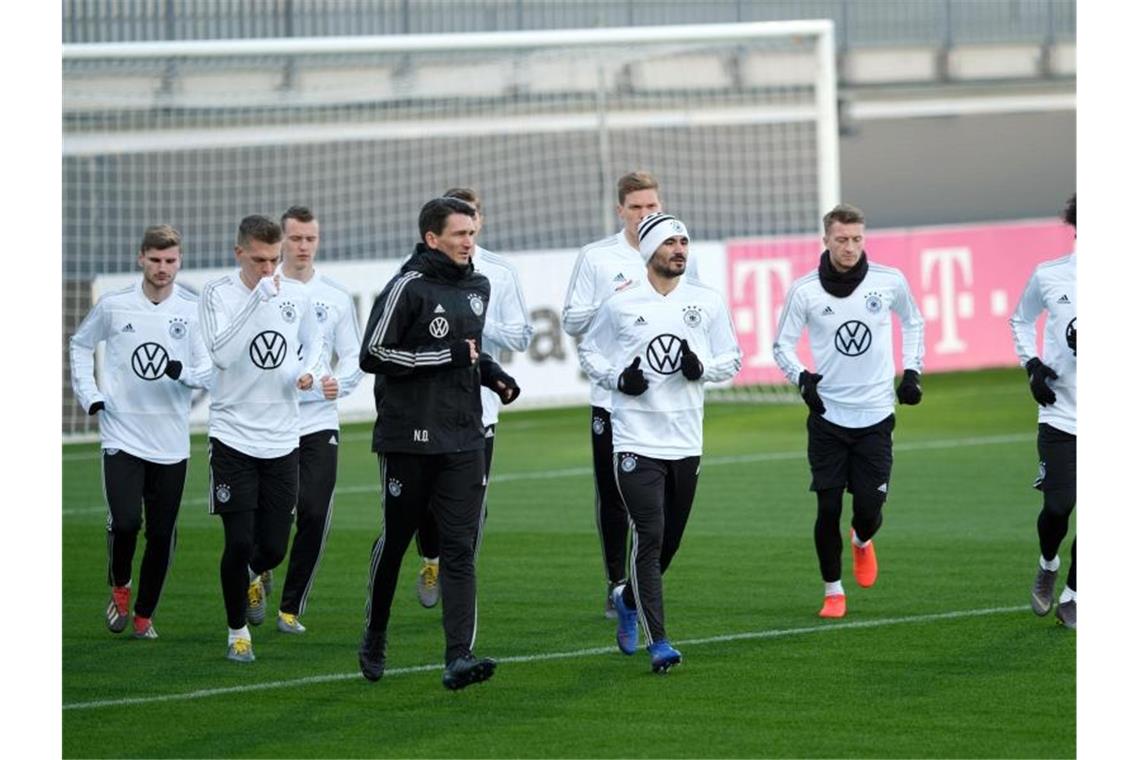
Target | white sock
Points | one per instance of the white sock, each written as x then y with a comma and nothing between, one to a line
239,633
431,560
1068,595
1052,565
855,540
252,575
833,589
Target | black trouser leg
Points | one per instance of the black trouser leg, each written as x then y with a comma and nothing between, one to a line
680,490
828,541
317,481
1057,451
276,499
867,513
162,496
239,533
404,481
1071,581
456,502
609,510
124,478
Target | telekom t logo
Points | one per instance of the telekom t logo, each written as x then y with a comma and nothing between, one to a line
766,277
946,304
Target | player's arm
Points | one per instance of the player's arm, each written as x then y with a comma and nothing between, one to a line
225,334
347,343
508,321
593,352
383,352
493,376
582,302
82,350
788,331
200,372
314,348
1023,321
913,327
726,356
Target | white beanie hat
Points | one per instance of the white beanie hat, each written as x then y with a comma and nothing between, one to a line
654,230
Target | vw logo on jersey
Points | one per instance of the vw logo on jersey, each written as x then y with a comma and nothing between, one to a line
476,303
288,312
599,426
177,328
439,327
873,302
222,492
628,463
321,311
395,487
664,354
853,338
692,315
149,361
268,349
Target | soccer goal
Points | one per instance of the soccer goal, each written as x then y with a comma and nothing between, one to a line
737,121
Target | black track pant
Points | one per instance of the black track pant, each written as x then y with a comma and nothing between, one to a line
1057,482
658,494
609,510
133,485
450,486
317,479
427,536
255,498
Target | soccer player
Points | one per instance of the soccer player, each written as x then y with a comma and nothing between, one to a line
645,347
846,305
506,328
153,358
1052,288
335,313
254,322
423,336
602,268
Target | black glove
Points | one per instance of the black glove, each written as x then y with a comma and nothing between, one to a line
909,391
460,353
509,390
173,369
632,380
95,408
1038,374
1071,336
808,381
691,366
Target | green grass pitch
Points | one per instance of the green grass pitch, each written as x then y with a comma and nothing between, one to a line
942,658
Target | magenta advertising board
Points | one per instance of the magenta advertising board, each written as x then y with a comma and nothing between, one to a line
966,280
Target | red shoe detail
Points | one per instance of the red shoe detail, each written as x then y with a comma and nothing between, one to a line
834,606
866,566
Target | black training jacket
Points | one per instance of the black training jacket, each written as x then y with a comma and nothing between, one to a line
427,389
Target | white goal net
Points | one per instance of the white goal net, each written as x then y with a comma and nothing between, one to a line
737,122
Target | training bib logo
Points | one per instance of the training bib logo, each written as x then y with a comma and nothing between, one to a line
267,350
853,338
149,361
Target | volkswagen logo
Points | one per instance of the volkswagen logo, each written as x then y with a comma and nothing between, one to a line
268,349
438,327
853,338
664,354
149,361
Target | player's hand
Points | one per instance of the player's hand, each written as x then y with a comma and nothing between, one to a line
173,369
1071,337
474,350
95,408
329,387
305,381
632,380
1039,374
807,383
506,387
463,352
691,366
909,391
268,287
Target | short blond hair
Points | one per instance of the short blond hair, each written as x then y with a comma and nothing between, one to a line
160,237
844,213
634,181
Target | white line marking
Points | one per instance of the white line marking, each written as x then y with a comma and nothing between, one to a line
747,636
574,472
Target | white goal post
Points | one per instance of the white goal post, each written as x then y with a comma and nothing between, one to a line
737,121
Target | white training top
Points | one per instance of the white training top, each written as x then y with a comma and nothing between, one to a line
666,421
1051,288
602,268
506,326
851,342
145,412
335,313
255,343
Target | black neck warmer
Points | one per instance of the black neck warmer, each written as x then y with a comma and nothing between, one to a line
841,284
